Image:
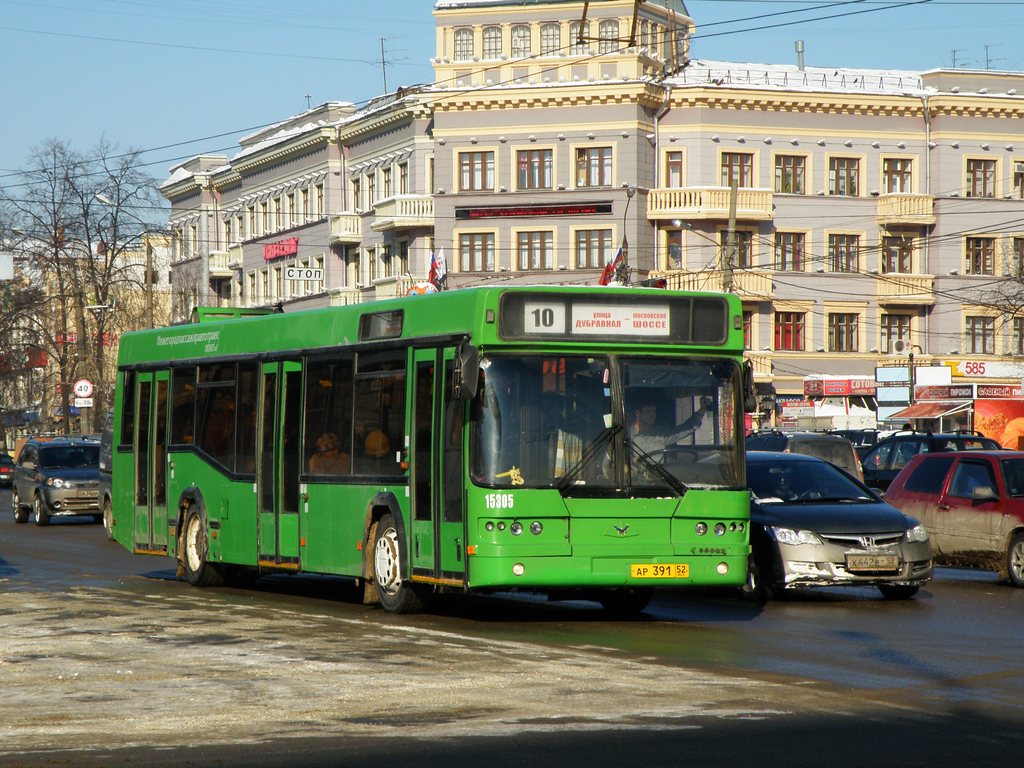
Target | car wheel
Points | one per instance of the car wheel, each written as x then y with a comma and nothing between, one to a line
108,519
625,601
1015,560
756,589
39,508
20,513
198,570
897,591
395,593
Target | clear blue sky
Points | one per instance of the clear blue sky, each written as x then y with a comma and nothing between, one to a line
180,77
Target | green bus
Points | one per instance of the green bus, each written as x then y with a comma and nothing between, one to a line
486,439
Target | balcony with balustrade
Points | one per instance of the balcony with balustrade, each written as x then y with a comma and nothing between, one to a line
906,289
904,210
220,267
346,229
403,212
691,203
748,284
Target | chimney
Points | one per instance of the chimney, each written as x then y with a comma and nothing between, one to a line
799,54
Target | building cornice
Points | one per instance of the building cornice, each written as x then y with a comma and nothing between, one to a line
645,94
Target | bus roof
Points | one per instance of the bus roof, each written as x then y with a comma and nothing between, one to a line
488,315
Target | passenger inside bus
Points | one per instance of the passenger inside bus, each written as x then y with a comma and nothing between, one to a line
376,457
328,459
563,449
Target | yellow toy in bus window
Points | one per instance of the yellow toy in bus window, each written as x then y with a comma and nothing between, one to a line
514,475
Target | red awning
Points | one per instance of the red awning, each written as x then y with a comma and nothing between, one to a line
934,410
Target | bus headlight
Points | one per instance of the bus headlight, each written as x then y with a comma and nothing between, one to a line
518,569
536,528
516,528
701,528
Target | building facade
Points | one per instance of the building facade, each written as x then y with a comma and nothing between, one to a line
874,213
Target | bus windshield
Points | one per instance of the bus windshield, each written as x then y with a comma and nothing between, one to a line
590,425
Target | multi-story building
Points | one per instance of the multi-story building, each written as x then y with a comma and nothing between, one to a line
874,211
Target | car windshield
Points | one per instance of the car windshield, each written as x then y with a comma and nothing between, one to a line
607,425
788,481
69,456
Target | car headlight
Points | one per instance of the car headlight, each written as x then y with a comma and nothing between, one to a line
56,482
791,536
917,533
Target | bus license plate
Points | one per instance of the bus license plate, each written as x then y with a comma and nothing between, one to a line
659,570
872,563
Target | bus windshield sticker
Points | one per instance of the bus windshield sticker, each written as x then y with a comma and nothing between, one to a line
622,320
514,476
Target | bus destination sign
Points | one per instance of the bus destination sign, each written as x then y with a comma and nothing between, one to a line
550,317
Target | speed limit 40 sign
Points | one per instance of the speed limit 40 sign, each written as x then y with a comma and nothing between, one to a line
83,388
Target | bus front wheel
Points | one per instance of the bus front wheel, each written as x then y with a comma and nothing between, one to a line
396,594
198,570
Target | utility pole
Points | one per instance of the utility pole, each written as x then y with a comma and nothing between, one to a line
729,253
149,281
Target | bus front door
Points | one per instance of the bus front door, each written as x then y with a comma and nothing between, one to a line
277,477
438,537
150,492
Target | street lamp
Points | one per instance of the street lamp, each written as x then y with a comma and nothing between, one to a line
913,379
622,271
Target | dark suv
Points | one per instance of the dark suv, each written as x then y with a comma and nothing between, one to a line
58,476
824,445
883,462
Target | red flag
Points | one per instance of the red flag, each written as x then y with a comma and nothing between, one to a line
608,273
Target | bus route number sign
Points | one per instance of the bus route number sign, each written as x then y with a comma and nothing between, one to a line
303,273
544,317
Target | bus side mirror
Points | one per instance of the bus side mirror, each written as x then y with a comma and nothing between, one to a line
749,395
467,372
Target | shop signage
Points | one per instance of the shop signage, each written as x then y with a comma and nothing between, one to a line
838,386
981,369
944,392
288,247
511,211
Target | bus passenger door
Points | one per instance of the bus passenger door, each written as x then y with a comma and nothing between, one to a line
150,493
277,477
438,530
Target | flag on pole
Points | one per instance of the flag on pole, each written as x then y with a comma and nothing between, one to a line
431,268
440,270
608,273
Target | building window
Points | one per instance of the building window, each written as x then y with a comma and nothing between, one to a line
264,217
1018,257
842,332
789,174
981,335
304,205
593,247
896,175
789,251
981,178
789,331
320,202
463,44
744,258
748,329
385,261
371,189
843,253
579,40
843,176
608,32
1018,179
738,169
403,257
357,195
1018,336
535,250
520,41
227,232
403,178
897,253
594,167
385,181
476,252
980,256
476,171
251,221
674,169
534,168
674,241
492,42
550,39
894,328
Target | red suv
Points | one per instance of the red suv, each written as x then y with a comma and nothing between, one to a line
972,505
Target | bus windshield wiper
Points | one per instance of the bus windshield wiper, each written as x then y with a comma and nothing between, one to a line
651,464
593,448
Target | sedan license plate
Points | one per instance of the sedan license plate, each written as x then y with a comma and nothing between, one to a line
659,570
872,563
88,494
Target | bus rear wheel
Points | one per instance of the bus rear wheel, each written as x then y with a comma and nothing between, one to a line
198,570
396,594
108,519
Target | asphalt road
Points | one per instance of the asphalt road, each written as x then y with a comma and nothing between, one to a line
107,659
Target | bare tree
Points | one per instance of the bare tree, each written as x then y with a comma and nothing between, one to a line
73,220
